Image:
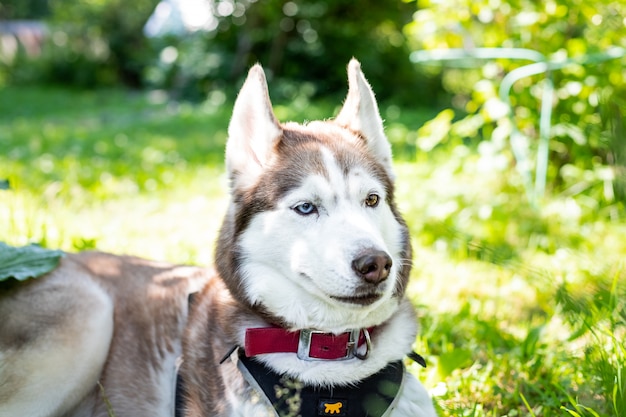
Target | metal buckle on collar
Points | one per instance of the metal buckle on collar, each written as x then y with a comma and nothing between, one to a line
304,345
368,345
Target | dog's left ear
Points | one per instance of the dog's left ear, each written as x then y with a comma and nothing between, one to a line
360,114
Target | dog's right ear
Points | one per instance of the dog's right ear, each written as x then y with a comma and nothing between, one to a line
253,131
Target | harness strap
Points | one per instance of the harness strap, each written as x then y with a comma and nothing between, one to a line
179,402
374,396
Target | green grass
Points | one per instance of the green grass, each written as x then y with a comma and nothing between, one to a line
522,310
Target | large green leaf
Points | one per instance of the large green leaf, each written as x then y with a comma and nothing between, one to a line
26,262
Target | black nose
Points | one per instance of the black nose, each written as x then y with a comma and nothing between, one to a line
373,266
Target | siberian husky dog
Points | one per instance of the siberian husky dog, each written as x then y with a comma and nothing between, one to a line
305,315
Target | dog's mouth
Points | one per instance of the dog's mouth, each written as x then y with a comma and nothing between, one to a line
361,299
362,296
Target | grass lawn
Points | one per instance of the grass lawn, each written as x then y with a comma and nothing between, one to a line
522,309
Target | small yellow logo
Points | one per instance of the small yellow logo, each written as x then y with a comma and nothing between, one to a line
334,408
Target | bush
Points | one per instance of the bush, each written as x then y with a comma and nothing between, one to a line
89,44
583,151
24,9
305,46
297,42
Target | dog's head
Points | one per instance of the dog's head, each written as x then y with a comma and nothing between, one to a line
312,238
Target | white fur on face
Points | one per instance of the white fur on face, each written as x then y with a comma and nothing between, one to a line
296,266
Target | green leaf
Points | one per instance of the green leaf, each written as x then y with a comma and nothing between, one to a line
455,359
435,131
529,345
528,407
573,413
26,262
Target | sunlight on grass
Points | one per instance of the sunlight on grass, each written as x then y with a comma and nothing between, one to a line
487,277
173,225
523,311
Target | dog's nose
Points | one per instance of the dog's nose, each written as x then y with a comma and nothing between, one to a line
373,266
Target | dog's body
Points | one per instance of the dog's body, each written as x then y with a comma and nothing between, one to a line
97,318
312,245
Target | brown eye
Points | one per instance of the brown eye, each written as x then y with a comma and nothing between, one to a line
372,200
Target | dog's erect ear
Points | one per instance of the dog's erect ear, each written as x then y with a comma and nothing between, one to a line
253,131
360,114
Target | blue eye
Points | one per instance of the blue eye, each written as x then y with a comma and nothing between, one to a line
305,208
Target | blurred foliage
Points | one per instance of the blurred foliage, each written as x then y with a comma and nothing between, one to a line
101,42
586,153
107,34
23,9
297,42
88,44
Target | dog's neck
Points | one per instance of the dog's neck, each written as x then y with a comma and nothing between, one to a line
391,340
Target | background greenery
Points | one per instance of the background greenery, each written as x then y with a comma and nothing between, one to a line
108,142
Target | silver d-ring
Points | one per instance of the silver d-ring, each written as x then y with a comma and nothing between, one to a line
368,346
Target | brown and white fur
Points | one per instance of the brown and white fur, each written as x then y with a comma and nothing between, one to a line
102,333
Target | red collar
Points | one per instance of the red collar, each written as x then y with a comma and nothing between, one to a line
308,344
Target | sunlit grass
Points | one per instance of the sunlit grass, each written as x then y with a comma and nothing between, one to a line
520,306
522,310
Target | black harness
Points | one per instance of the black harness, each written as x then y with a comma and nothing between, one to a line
371,397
